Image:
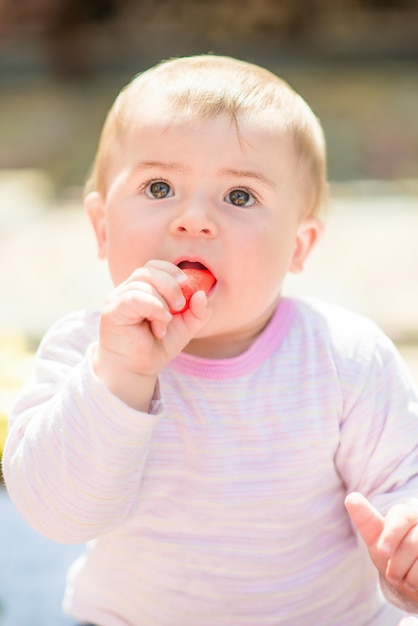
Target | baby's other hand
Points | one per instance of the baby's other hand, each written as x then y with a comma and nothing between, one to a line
138,334
392,542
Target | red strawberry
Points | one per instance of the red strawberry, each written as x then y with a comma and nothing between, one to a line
198,279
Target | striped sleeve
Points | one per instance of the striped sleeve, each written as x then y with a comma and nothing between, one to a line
74,454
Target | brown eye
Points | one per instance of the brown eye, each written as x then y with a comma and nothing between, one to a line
159,189
240,197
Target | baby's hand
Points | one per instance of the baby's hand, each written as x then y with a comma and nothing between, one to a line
139,335
392,542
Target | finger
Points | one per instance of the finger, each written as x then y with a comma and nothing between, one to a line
159,329
399,520
411,578
403,565
134,303
166,266
368,521
187,325
165,278
198,305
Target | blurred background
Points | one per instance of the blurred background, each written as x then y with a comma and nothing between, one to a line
62,62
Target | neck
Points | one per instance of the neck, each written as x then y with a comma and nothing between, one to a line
228,345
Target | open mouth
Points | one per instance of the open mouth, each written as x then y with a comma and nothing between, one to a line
191,265
199,278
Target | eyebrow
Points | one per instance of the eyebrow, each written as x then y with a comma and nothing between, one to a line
165,165
254,175
175,165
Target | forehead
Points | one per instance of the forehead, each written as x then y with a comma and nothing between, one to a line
154,126
156,111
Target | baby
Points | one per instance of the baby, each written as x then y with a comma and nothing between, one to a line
212,448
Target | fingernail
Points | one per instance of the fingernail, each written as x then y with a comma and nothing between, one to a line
385,548
180,302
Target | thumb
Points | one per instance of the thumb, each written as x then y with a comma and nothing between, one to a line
368,521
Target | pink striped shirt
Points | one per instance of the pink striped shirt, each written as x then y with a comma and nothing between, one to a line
224,505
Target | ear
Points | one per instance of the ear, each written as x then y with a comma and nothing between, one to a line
95,207
308,233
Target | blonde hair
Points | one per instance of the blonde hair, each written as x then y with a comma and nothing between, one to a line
205,86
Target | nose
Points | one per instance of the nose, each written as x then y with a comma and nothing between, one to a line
195,222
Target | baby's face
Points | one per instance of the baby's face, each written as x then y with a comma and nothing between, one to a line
201,192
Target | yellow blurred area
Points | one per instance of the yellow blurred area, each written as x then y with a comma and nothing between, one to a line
15,367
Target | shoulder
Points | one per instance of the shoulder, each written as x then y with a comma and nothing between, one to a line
341,325
349,351
347,337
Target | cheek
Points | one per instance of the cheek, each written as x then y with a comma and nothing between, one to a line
123,255
261,271
255,279
267,254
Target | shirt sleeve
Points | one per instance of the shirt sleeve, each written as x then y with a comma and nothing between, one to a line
74,454
378,451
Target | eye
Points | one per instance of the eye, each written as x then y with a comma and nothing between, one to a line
240,197
158,189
